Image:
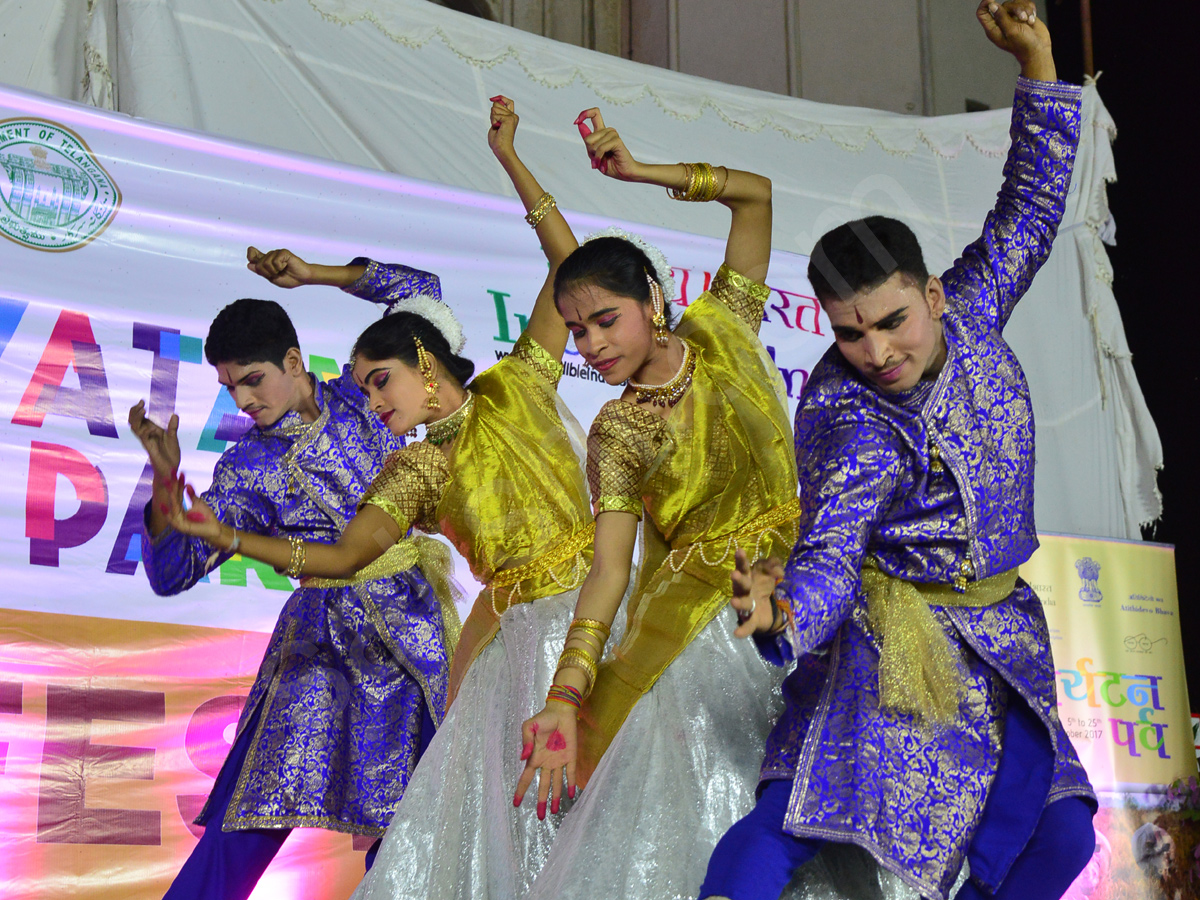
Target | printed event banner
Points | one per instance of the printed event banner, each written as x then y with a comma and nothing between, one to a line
111,733
1113,612
149,228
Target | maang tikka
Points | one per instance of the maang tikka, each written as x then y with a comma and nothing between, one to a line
661,334
425,365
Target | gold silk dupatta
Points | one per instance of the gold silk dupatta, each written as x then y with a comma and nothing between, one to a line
717,475
511,495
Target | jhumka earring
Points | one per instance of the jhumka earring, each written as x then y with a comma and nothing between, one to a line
425,364
661,334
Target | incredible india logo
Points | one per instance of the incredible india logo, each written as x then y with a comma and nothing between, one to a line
56,195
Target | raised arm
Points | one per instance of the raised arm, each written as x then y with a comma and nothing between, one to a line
747,195
545,324
382,283
995,271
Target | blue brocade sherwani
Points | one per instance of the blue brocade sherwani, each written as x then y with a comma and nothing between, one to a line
349,670
933,485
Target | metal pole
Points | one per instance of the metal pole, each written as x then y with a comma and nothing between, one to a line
1085,19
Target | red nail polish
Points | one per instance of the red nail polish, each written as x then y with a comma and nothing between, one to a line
571,792
554,806
496,99
541,810
516,799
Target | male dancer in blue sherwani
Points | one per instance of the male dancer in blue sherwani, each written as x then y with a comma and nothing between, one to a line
355,675
921,722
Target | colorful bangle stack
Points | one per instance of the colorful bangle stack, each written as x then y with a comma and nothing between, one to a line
592,634
564,693
700,184
540,210
299,554
783,606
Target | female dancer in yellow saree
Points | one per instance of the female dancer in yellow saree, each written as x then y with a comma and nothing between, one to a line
699,448
500,474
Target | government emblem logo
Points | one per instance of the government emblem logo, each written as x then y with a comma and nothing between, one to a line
1089,574
56,195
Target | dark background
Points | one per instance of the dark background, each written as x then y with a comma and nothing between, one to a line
1146,56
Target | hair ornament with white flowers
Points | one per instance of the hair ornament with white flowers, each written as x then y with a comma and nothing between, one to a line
439,315
662,271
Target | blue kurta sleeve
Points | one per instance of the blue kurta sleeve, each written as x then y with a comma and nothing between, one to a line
385,283
174,561
849,472
994,272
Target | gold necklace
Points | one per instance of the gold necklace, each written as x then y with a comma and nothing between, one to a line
444,430
671,392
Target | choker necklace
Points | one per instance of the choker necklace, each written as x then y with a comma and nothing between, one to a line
444,430
671,392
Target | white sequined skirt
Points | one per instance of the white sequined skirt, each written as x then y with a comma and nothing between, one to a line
682,769
455,834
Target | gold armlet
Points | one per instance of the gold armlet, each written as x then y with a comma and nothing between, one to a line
540,210
299,554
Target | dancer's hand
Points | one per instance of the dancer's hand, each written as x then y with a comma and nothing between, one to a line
161,444
198,521
606,149
548,747
282,268
1015,28
752,587
503,128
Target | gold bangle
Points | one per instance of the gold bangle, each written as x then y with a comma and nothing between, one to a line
299,554
588,635
700,184
724,184
540,210
574,658
594,624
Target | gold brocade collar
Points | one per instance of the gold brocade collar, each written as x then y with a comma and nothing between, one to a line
445,430
671,392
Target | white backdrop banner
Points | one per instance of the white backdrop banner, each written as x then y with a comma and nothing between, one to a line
124,239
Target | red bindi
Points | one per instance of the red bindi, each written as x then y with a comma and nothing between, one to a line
858,316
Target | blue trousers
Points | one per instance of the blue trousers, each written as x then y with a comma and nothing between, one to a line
1022,849
226,865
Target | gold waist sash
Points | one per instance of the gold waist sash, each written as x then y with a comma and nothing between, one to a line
431,557
917,672
676,603
520,584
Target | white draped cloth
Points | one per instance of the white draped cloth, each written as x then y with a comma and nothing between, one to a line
403,85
